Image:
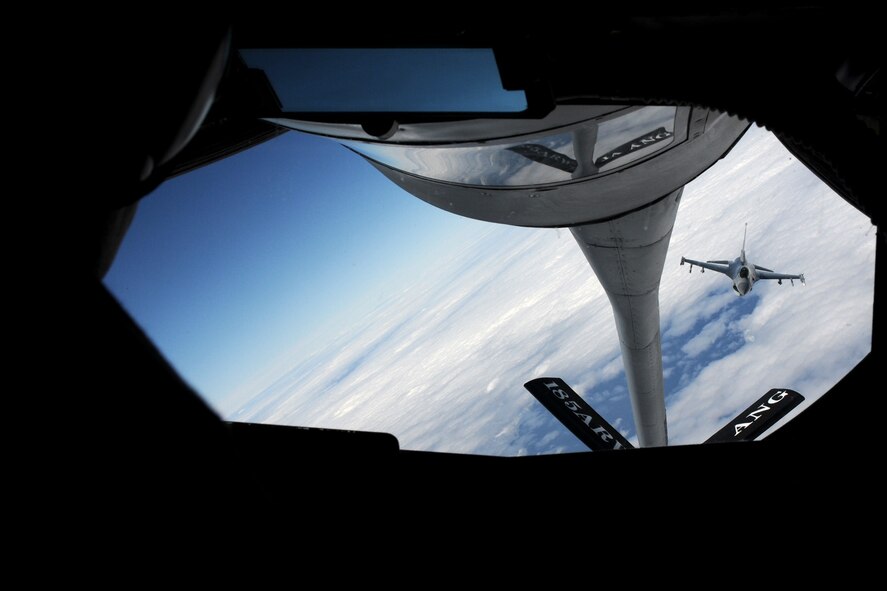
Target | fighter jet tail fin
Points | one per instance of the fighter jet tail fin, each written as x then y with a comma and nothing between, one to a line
576,414
760,416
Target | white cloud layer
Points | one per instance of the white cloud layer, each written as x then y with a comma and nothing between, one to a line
441,363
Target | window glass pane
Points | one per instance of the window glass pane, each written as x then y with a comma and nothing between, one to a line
492,165
585,150
627,138
293,284
448,80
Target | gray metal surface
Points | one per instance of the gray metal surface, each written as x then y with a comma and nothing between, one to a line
584,201
627,255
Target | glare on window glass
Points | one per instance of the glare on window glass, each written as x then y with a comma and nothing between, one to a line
581,151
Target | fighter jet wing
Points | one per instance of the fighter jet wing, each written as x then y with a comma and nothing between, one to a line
719,267
780,276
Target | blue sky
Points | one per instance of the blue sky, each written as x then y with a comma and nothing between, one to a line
294,284
235,263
